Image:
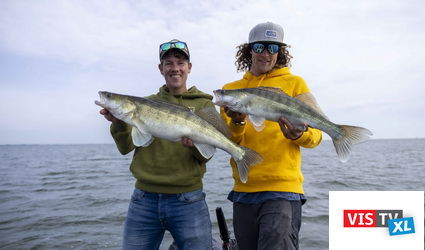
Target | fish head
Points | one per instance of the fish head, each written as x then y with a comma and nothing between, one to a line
119,105
108,100
228,97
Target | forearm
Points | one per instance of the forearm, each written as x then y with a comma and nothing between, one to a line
238,130
121,133
309,139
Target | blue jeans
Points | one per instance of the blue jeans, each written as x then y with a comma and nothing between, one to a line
185,216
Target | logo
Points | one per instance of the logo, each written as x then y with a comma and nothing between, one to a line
370,218
271,33
393,219
401,226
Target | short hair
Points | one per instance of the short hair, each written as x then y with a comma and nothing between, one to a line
176,53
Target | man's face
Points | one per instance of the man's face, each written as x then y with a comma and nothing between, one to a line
262,62
175,71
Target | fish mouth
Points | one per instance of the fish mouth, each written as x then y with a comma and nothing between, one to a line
102,100
217,93
218,101
99,103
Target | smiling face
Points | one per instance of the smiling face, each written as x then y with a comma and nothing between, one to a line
175,70
262,62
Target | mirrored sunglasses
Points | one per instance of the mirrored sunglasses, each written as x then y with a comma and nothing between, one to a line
260,47
170,45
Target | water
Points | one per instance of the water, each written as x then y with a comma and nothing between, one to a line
76,196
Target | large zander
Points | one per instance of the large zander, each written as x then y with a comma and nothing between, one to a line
154,118
267,103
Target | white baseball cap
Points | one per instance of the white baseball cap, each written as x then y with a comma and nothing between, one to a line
267,32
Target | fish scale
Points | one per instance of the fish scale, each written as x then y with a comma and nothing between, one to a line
151,118
267,103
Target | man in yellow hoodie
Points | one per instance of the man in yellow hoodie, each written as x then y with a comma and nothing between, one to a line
267,208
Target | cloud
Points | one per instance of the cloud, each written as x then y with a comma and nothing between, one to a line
362,60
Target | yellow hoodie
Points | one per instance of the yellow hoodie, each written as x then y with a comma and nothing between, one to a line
281,167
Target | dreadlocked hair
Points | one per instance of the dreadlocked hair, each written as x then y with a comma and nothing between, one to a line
244,59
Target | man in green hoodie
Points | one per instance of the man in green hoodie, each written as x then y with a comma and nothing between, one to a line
168,193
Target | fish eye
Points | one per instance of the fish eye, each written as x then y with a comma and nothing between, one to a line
109,95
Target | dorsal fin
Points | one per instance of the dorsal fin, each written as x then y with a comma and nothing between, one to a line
309,99
272,89
211,115
306,98
175,105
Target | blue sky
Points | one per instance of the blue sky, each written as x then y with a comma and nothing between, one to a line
363,60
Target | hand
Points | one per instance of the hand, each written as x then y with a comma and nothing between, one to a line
236,116
187,142
289,131
108,116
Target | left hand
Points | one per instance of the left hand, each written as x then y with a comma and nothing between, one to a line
289,131
187,142
236,116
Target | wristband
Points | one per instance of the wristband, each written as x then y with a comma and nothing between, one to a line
241,123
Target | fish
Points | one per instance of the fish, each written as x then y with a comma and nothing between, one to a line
151,118
270,103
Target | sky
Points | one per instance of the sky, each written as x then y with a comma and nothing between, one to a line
363,60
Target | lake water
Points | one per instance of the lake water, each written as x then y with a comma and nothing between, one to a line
76,196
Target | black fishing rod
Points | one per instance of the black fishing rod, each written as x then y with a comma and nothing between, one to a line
228,243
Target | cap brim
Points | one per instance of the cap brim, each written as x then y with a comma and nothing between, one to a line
165,52
268,41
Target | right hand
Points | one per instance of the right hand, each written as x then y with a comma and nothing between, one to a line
187,142
236,116
108,116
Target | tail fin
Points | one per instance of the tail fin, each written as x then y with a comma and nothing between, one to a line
351,135
249,159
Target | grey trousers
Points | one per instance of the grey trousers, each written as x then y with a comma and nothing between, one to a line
268,226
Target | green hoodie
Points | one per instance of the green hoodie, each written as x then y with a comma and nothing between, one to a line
164,166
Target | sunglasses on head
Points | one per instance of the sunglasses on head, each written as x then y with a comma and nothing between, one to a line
260,47
170,45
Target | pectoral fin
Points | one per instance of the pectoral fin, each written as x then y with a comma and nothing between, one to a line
257,122
141,138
